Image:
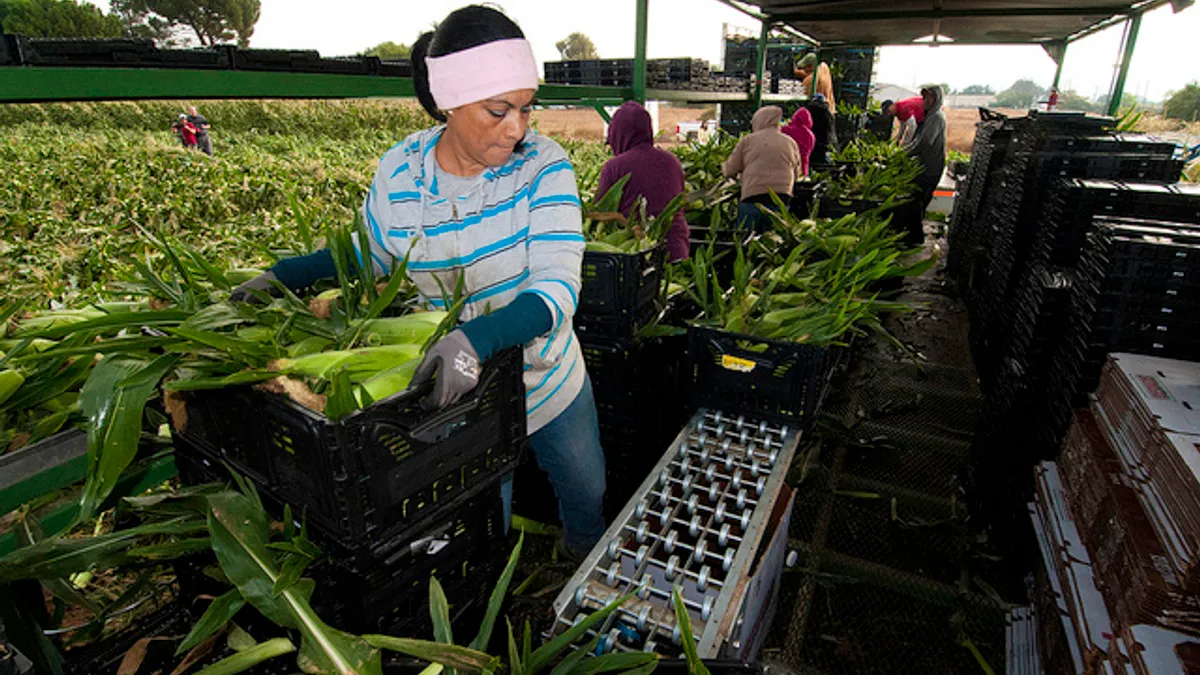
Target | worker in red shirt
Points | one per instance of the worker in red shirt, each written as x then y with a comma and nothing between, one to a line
908,109
185,130
1052,100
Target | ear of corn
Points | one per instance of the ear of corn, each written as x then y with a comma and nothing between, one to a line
391,381
10,381
411,328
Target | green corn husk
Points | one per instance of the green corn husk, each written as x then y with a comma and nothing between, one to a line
412,328
10,382
601,247
242,275
359,364
308,346
387,383
48,320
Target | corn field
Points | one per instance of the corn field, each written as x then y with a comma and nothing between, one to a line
81,178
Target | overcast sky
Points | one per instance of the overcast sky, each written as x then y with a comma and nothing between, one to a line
1166,57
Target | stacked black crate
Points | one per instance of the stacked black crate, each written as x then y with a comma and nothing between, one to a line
391,494
987,156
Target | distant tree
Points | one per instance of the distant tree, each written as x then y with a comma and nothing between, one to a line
1022,94
1071,100
58,19
212,21
1128,102
978,90
389,50
576,46
1183,104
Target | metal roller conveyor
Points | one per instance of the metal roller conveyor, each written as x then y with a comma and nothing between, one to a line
696,523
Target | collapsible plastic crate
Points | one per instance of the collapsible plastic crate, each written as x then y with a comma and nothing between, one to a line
465,550
621,284
365,479
785,381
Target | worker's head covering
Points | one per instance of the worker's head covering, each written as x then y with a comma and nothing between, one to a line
884,107
766,117
819,98
182,116
630,128
802,119
938,96
476,52
807,61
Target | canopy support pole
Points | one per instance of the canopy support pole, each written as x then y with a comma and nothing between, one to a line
1129,42
639,52
760,64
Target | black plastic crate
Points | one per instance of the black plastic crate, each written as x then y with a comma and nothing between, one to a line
10,50
602,327
367,478
621,284
465,551
770,378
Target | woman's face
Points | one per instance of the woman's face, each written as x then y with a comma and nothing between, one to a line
488,130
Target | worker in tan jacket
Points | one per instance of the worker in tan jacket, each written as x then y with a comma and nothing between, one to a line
767,160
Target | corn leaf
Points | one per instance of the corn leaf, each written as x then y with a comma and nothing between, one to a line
497,598
239,378
439,613
238,527
114,322
62,556
515,665
452,656
113,399
684,620
218,615
245,660
572,660
546,654
616,662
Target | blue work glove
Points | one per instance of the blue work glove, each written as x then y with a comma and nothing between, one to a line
455,363
264,282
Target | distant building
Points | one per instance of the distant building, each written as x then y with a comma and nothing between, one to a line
890,92
970,100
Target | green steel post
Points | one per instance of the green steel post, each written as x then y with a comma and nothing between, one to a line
1059,69
600,109
760,64
1118,89
639,52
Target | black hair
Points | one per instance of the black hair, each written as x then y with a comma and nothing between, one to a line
463,29
884,106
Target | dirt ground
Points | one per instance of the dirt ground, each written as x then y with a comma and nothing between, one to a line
585,123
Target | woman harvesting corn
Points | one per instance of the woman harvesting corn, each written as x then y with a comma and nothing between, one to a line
485,199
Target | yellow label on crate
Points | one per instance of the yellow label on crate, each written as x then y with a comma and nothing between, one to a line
735,363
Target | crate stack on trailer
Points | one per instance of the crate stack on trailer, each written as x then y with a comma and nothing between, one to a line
1045,243
1118,525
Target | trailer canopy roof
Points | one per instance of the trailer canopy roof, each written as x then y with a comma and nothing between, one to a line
952,21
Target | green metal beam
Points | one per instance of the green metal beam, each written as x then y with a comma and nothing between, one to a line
40,84
37,84
760,63
575,93
1139,8
1062,58
41,469
639,51
998,12
1129,43
603,113
136,480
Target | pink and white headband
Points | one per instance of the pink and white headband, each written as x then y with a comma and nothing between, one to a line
481,72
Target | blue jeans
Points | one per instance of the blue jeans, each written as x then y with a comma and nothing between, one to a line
751,216
568,450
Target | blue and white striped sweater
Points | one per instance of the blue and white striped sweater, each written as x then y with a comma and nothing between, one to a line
518,230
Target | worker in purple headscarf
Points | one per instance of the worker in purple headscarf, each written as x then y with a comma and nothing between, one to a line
655,174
